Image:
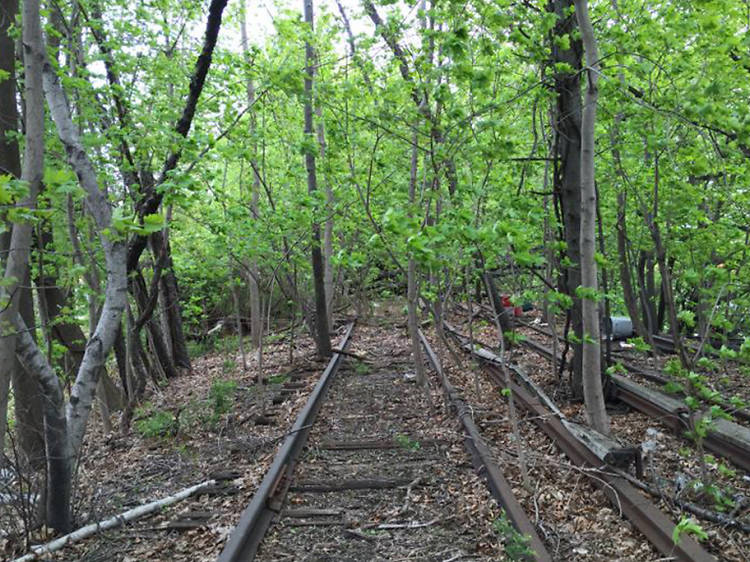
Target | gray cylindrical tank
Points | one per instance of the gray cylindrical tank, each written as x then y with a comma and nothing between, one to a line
619,327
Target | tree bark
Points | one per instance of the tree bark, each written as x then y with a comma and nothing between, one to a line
27,395
328,229
256,310
322,335
666,274
567,180
144,300
10,159
71,429
591,361
16,263
25,388
412,293
171,294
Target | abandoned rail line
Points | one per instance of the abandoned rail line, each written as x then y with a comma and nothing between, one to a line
363,448
345,482
588,449
726,438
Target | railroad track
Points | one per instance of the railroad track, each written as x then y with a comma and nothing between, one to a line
366,474
725,438
586,449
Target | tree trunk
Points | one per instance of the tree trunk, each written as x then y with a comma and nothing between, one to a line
253,282
27,395
322,335
591,364
25,388
16,264
496,303
140,291
568,177
626,279
328,230
411,278
665,270
169,289
73,426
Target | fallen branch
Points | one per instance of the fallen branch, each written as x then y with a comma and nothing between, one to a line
112,522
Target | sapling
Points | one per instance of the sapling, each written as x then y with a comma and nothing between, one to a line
701,418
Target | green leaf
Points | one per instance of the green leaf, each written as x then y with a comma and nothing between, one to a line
688,526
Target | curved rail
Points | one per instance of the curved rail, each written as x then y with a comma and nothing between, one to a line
482,459
254,522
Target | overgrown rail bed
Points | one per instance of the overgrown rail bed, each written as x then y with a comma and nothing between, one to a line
383,476
672,469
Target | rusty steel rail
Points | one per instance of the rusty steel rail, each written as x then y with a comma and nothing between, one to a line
643,513
265,505
485,465
647,374
727,439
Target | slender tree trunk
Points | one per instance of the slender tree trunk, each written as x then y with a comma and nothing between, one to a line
253,281
170,290
328,230
412,290
666,273
568,177
626,279
238,319
29,430
16,263
592,371
145,309
322,335
496,303
604,311
73,425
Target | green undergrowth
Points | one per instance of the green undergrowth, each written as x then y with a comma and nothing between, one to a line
158,423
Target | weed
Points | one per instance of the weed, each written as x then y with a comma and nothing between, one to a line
362,368
516,544
407,442
639,344
159,423
220,397
278,379
690,527
197,348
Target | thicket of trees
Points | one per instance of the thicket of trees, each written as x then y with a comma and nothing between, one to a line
162,168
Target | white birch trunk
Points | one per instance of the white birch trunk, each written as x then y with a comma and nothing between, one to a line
115,252
17,262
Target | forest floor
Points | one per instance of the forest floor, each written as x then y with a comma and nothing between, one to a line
671,463
210,423
200,425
